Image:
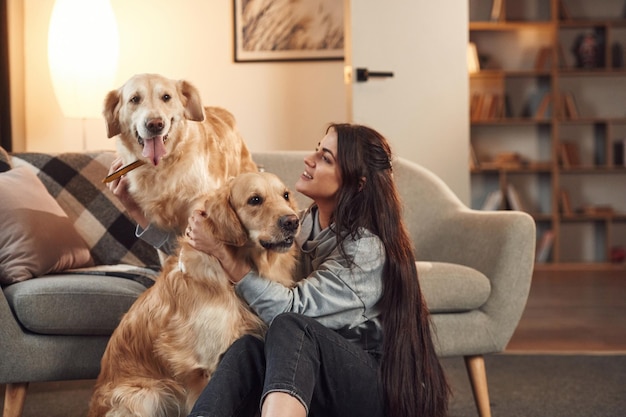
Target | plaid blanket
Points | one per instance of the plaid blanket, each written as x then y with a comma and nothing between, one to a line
75,181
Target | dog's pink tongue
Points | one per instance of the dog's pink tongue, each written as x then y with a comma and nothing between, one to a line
154,149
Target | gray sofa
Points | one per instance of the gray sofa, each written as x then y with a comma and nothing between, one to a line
475,270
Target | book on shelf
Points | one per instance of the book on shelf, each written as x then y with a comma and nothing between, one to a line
513,198
565,203
497,10
486,106
476,106
473,160
544,246
569,154
568,106
619,153
493,200
543,110
542,62
564,13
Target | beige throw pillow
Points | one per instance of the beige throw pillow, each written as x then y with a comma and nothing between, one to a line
36,236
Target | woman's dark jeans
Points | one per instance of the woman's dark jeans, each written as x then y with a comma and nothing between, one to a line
328,374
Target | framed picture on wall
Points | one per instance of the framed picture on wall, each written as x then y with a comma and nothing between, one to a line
288,30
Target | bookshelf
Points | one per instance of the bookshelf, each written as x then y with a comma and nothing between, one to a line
548,123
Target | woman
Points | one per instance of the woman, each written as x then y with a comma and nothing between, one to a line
353,336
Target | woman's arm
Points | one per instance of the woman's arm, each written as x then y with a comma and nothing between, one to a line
337,293
151,234
119,188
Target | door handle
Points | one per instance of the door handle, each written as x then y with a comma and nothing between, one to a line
363,74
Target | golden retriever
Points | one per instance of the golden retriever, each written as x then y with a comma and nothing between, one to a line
168,344
189,150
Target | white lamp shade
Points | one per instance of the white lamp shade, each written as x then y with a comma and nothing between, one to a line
83,49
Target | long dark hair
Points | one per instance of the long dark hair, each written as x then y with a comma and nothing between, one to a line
413,381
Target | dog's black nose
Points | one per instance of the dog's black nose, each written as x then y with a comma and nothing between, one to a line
155,125
289,223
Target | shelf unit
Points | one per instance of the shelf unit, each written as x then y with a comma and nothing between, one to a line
548,123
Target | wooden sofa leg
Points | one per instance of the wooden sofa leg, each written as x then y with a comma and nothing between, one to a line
14,399
477,373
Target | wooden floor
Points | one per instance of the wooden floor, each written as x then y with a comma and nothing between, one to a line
574,311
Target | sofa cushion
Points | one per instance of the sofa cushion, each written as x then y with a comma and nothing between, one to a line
74,179
72,304
36,236
451,288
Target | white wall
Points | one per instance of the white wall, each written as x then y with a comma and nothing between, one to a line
277,105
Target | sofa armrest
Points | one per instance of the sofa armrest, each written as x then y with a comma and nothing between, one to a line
499,244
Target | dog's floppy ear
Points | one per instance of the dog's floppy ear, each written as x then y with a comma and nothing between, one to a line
111,113
191,101
222,219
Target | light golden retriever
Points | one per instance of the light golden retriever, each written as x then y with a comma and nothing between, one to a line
168,344
189,150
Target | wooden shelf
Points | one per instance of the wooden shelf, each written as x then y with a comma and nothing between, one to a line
578,23
510,26
529,61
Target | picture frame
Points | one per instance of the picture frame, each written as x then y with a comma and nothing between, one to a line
288,30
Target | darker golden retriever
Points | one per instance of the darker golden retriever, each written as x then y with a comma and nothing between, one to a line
168,344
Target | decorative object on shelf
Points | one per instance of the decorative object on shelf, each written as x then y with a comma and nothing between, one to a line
473,63
588,51
509,160
618,254
598,210
543,61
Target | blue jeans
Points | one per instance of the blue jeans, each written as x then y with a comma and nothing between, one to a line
328,374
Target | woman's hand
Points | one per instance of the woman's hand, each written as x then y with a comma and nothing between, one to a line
200,237
119,188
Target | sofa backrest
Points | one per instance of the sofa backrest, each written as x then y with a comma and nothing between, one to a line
75,181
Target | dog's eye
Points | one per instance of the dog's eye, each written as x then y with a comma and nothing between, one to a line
135,99
286,196
167,98
255,200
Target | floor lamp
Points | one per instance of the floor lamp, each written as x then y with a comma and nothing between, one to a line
83,50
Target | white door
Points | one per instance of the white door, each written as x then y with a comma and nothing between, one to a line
423,109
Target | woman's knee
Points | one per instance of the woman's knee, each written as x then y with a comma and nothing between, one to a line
247,346
289,327
291,320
